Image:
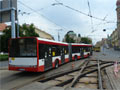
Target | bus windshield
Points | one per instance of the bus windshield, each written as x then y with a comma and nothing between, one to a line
23,47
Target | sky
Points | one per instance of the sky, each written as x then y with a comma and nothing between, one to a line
53,17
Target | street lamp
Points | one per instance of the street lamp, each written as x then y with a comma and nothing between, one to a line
57,4
104,30
59,34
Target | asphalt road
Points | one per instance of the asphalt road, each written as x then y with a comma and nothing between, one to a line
12,79
107,55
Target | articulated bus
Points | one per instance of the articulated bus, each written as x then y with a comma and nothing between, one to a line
81,51
38,55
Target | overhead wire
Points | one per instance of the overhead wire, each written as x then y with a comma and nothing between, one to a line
107,22
90,15
41,15
100,23
94,17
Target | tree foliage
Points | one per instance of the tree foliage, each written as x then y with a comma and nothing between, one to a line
28,31
86,40
68,39
25,31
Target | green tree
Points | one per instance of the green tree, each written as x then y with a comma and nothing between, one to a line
68,39
25,31
29,30
86,40
4,40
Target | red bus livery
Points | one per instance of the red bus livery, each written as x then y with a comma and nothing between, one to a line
38,55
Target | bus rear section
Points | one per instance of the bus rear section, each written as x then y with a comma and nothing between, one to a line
23,54
81,51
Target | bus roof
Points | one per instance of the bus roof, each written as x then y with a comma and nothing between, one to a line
47,41
81,44
52,41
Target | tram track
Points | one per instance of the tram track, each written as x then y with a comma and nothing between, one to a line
85,71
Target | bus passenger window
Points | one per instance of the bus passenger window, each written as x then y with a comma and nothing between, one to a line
41,51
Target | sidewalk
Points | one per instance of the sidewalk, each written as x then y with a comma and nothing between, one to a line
113,79
4,68
3,63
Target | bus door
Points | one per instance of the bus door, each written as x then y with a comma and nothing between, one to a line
82,52
48,58
90,50
62,55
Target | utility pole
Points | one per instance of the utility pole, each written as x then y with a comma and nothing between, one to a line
59,34
18,23
13,33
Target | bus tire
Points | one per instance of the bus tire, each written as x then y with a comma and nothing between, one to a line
75,58
56,64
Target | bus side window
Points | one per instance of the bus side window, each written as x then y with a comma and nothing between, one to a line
53,51
50,51
58,50
41,51
66,50
80,49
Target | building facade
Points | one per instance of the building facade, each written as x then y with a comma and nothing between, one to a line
43,34
118,21
2,28
73,35
115,39
98,44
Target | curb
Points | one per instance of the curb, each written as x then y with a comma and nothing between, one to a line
3,68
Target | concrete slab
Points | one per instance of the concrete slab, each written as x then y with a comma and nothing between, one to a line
83,85
92,74
63,78
74,73
40,86
52,82
88,80
82,89
35,86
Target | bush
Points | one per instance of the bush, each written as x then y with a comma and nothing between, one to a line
3,57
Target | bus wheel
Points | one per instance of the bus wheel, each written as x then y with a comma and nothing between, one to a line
75,58
56,64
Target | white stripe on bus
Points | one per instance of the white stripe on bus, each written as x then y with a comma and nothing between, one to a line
23,61
78,54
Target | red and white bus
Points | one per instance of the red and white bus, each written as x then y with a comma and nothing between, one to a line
38,55
81,51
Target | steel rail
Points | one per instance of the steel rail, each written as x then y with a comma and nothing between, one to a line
100,84
76,78
82,75
67,72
